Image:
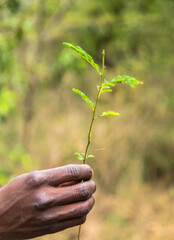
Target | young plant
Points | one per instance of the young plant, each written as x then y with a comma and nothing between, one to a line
103,87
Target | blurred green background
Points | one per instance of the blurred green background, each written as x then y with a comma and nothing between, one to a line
42,122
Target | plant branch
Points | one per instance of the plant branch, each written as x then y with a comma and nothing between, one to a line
95,107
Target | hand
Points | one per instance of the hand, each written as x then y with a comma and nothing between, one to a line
39,203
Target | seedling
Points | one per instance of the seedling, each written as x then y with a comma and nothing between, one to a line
103,87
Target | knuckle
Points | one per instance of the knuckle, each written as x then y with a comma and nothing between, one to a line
34,179
83,211
82,220
89,204
45,218
73,171
89,171
92,201
84,192
42,201
93,185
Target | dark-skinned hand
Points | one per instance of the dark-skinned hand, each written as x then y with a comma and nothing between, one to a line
45,202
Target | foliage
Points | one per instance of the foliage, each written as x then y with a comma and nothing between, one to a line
13,160
103,87
7,102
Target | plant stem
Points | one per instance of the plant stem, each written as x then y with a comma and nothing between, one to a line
95,107
93,118
79,232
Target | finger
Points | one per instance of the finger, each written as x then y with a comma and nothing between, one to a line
49,196
57,176
72,182
68,173
61,213
51,228
65,224
74,193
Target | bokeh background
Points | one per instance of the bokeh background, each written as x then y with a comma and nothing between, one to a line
42,122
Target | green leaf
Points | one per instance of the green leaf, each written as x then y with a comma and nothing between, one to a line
84,97
79,156
106,90
83,54
126,79
90,156
109,113
104,87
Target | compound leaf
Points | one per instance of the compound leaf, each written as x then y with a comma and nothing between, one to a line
84,97
126,79
83,54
